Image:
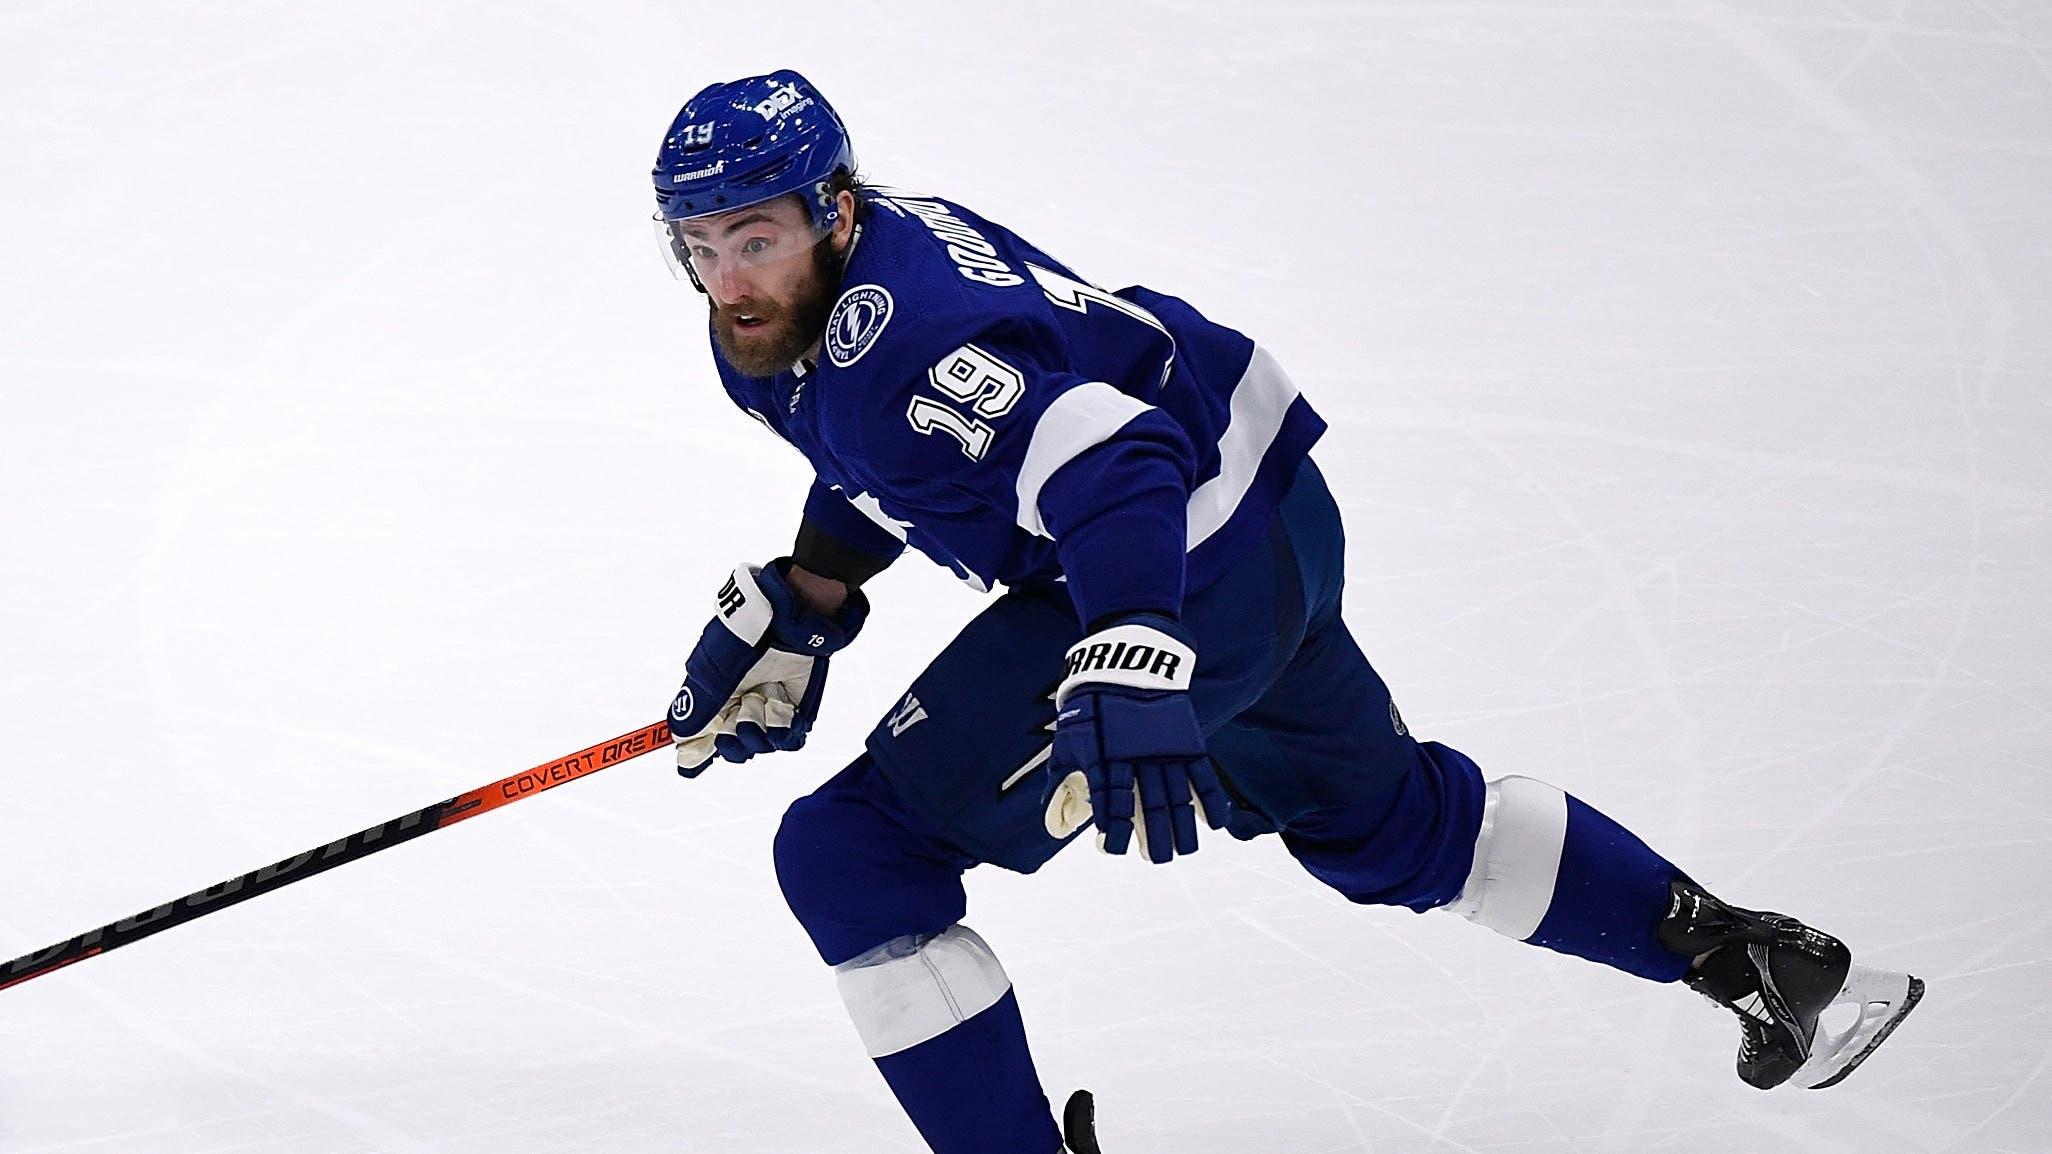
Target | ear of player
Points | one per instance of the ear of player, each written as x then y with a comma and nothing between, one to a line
754,680
1126,732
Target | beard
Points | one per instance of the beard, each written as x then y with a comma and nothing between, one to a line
787,330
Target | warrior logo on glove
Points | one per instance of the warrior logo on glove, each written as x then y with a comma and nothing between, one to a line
753,682
1126,730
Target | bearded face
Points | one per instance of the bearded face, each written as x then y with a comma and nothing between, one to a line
764,333
770,276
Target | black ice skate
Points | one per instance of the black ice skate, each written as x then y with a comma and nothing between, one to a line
1780,976
1079,1124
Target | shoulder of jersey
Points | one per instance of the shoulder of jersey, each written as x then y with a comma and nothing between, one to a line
922,280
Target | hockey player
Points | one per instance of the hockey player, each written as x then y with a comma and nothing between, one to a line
1169,653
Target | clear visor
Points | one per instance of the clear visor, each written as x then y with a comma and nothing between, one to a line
701,248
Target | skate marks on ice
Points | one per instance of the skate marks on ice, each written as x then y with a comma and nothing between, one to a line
1686,416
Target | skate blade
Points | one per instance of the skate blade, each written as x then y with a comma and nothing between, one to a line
1884,1000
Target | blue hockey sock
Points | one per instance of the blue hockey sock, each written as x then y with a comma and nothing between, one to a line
1552,871
942,1024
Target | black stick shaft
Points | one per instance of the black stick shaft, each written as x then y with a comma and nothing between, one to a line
218,897
356,846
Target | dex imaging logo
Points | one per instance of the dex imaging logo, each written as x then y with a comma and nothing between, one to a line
782,102
858,319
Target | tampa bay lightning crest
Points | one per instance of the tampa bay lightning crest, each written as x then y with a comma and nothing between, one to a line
858,319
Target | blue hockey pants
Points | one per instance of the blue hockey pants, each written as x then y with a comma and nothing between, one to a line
1308,742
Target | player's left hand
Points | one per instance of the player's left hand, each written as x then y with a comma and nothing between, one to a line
1125,728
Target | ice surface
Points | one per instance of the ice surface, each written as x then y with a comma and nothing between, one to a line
1691,380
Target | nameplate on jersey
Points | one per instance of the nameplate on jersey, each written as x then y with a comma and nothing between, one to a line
975,257
858,319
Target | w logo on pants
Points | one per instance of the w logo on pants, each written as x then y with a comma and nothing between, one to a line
908,714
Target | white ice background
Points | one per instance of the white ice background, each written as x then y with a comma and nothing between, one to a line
1690,372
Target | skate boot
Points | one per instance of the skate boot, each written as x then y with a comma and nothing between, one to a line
1780,976
1079,1124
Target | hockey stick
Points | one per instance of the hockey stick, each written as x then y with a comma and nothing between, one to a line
361,844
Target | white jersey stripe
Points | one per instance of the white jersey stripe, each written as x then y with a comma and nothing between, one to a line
1260,401
1089,414
872,508
1079,419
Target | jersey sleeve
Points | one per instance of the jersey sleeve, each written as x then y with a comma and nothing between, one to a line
1117,512
990,438
846,539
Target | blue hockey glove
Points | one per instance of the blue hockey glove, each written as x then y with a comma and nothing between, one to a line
753,682
1124,725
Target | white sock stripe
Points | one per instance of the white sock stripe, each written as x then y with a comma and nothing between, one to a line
1469,900
899,1002
1517,857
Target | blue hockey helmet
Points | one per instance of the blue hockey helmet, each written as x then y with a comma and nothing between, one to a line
751,140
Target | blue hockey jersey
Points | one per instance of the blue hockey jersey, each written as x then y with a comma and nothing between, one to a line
976,398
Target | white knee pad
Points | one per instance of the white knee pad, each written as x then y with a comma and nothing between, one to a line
1517,857
908,991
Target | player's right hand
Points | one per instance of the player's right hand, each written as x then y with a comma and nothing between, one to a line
754,680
